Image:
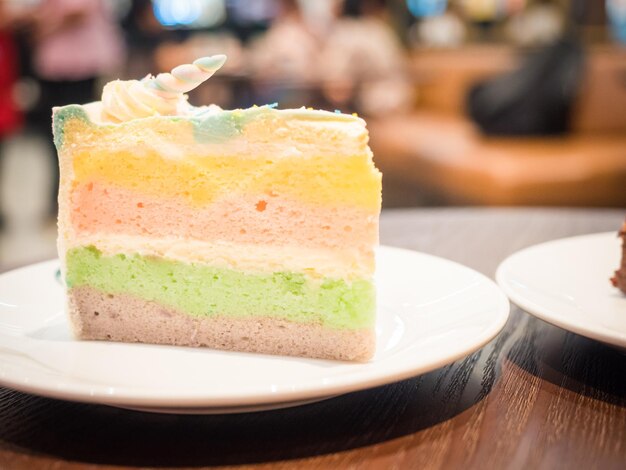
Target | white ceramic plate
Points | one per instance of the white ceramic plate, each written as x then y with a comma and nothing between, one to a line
431,312
566,282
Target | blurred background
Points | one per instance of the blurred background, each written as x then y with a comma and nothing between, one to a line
468,102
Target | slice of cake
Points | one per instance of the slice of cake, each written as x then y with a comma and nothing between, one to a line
247,230
619,279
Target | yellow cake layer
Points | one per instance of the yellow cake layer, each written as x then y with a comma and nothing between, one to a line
345,180
319,159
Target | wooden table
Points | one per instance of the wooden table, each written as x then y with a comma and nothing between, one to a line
535,397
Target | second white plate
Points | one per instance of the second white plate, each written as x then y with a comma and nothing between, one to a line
431,312
566,282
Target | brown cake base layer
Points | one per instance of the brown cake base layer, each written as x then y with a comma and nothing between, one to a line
99,316
619,279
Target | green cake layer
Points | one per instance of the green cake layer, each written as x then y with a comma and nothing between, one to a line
201,290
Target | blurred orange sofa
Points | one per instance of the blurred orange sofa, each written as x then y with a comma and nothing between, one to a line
438,151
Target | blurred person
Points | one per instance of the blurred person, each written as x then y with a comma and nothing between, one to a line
74,43
444,30
289,50
364,63
535,99
24,174
10,116
319,15
540,24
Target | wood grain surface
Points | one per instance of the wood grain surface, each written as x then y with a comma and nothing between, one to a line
535,397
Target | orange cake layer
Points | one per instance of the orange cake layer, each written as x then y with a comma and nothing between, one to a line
261,219
201,178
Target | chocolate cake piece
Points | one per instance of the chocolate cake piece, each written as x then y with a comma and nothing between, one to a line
619,279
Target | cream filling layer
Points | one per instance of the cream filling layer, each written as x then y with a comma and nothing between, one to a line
317,263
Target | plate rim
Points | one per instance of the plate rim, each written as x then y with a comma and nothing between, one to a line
602,334
500,314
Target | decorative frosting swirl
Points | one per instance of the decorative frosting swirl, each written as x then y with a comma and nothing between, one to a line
123,100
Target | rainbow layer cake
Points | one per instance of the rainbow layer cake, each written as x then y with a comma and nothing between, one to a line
248,230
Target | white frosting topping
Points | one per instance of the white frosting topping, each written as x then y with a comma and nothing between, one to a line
132,99
162,95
